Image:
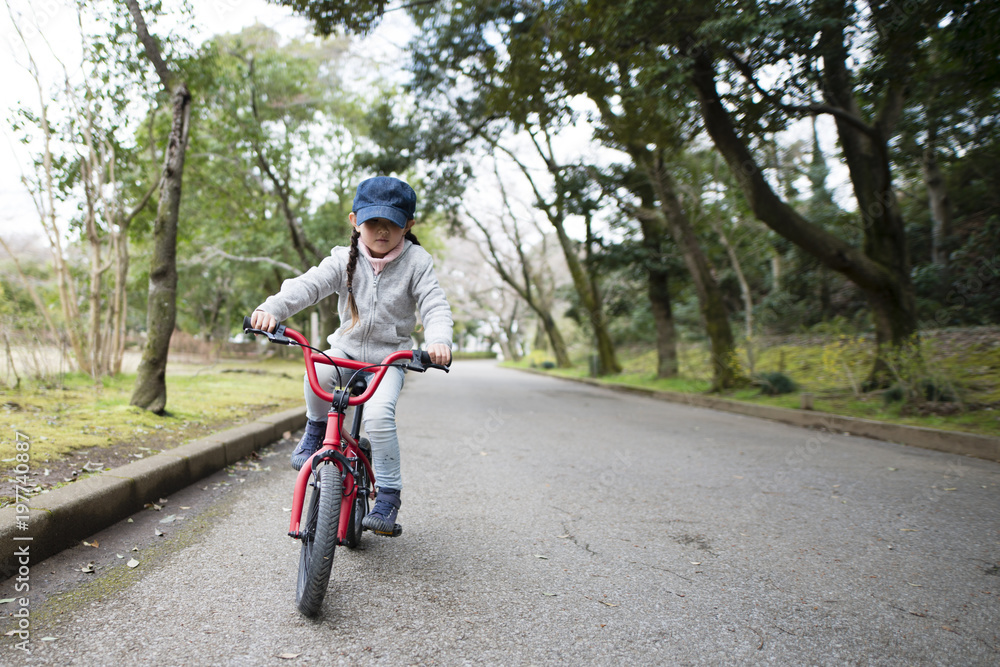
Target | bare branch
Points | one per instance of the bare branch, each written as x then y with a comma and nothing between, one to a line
212,251
807,109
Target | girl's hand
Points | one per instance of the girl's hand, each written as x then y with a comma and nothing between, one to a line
439,353
263,321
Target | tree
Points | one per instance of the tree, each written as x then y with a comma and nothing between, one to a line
275,127
518,267
150,390
814,45
567,197
87,156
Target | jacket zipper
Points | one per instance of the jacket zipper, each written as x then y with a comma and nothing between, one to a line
371,316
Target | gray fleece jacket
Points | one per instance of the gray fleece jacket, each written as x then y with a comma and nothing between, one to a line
387,303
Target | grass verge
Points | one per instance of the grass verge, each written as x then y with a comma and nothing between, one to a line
832,371
76,418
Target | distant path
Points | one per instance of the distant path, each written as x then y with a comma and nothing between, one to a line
554,523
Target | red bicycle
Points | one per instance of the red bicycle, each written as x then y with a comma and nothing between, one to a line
340,472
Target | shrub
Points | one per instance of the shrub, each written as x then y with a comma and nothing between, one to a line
774,383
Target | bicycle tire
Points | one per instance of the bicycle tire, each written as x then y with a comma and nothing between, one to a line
320,541
360,507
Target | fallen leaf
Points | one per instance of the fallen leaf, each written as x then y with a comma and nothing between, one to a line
287,435
954,488
132,563
483,453
695,562
185,508
563,537
909,530
158,532
153,506
88,568
916,585
6,600
90,544
163,501
289,656
48,639
119,555
607,604
130,520
541,556
551,595
168,519
286,509
894,469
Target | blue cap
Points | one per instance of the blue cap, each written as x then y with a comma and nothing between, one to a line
385,197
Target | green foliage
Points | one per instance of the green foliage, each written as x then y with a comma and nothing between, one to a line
774,383
330,15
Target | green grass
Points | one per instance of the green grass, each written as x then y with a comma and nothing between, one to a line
76,412
832,373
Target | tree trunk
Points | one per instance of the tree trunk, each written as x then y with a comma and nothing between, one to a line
937,194
150,385
725,370
658,290
744,285
559,349
510,346
667,365
591,302
744,291
329,317
150,390
119,315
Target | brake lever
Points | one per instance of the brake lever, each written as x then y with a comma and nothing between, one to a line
278,336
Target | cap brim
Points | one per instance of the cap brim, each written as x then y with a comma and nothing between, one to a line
388,212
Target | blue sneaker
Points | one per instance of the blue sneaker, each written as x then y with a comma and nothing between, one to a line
382,519
311,440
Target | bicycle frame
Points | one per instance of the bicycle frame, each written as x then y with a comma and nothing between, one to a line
338,445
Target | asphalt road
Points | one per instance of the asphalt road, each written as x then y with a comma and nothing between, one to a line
547,522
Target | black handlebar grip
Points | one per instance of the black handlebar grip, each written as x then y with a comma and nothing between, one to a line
424,359
246,324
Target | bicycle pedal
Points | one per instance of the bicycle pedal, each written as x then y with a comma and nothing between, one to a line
397,530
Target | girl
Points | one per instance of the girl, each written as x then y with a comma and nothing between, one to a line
382,279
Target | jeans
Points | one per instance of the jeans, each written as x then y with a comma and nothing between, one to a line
379,417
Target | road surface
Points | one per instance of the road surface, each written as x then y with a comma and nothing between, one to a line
548,522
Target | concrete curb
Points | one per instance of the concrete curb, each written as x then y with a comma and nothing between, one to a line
952,442
65,516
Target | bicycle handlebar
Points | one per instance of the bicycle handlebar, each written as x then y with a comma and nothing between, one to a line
419,360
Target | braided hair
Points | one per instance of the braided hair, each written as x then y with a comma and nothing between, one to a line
352,263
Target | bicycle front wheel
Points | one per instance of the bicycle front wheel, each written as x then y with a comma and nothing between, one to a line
319,539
